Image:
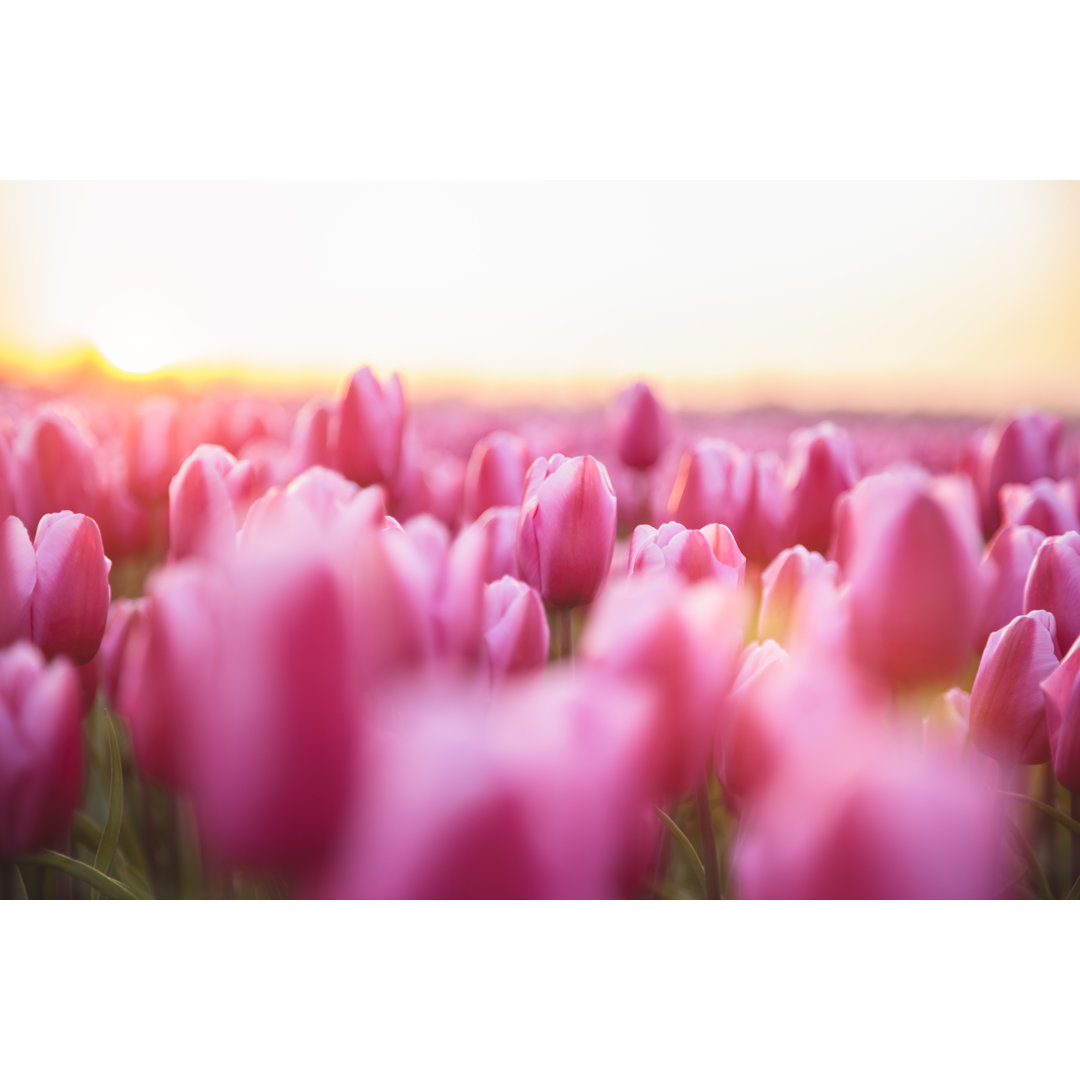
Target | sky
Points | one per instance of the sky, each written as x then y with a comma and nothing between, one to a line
947,296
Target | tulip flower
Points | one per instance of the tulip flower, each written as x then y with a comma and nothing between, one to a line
1004,568
709,553
915,591
498,526
370,424
312,434
1016,449
821,467
1007,716
124,617
70,603
495,473
18,572
714,483
1053,584
208,498
640,427
55,466
683,644
566,529
1046,504
764,531
782,585
155,441
516,632
1061,695
41,755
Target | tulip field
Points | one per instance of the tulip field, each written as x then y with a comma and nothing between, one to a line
359,646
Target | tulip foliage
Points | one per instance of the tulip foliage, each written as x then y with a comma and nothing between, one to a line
361,646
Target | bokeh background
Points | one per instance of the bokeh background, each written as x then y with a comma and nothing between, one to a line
946,297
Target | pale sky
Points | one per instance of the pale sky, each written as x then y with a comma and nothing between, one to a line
960,295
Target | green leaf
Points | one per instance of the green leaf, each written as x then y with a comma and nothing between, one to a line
684,842
1074,892
1050,811
20,885
110,835
1040,884
107,886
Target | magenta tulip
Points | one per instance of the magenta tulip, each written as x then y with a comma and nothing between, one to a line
1061,695
516,633
640,427
208,498
821,467
71,596
1053,584
1004,568
18,572
783,583
495,473
1048,505
1007,717
714,483
370,424
915,590
56,467
706,554
41,755
566,529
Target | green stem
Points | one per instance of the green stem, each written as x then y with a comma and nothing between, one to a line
107,886
685,844
1042,886
708,842
1062,819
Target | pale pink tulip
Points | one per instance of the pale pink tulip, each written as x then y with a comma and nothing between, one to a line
705,554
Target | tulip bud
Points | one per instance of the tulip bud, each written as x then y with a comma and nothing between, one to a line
1016,449
495,473
71,596
516,633
154,445
41,755
1007,718
640,427
714,483
1053,584
782,584
821,468
370,424
18,571
1047,504
566,529
1061,695
57,471
498,526
709,553
915,590
312,433
208,498
1004,568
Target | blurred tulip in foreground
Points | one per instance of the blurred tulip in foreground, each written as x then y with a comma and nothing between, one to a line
1007,715
566,529
41,753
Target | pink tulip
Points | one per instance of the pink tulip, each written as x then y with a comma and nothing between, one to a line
1053,584
1016,449
1008,717
268,756
1061,694
714,483
1047,504
18,572
683,644
124,521
640,427
124,616
821,467
764,532
495,473
312,435
56,467
915,590
371,420
880,820
705,554
498,526
155,442
41,755
516,633
1004,568
208,498
782,586
566,530
947,723
70,603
